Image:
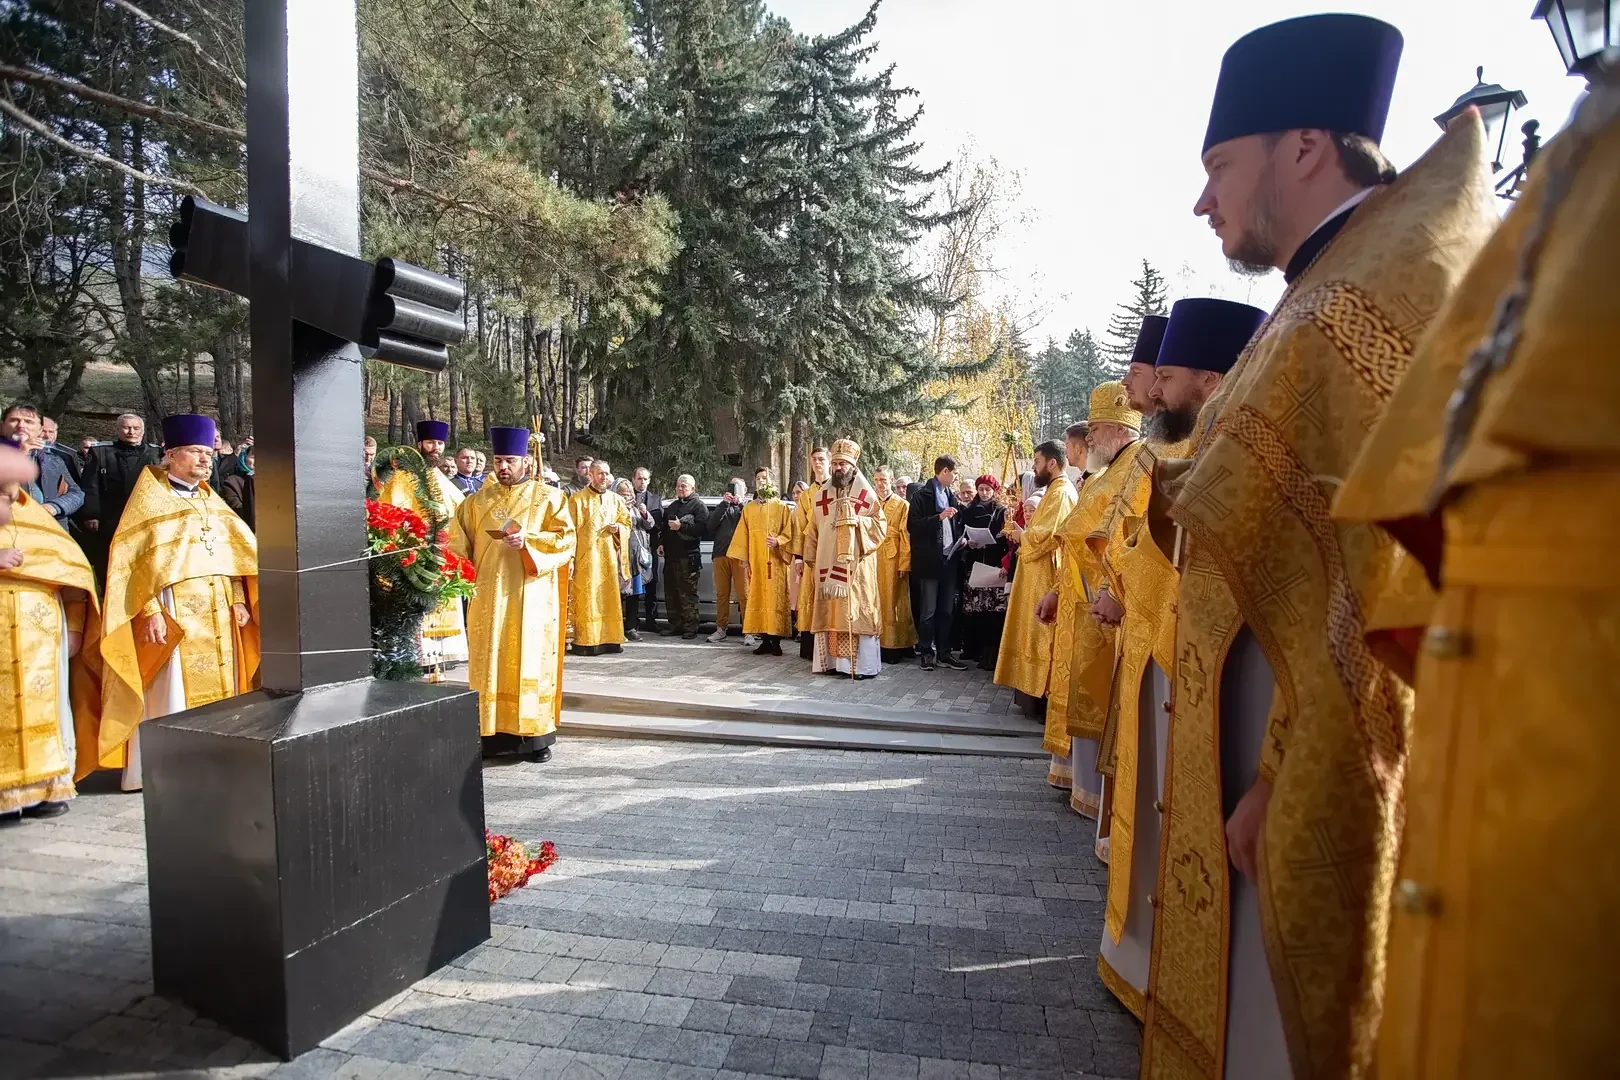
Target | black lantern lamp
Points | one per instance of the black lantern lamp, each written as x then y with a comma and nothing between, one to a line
1587,32
1495,105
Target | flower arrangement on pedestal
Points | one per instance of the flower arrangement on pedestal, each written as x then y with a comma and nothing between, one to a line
511,865
413,570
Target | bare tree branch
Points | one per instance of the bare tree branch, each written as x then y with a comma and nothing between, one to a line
123,104
93,155
181,36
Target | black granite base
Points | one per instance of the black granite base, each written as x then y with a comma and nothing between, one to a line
312,855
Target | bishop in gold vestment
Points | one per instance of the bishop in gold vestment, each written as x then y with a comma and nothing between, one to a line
804,566
1502,944
1177,363
48,616
847,527
1288,731
763,543
180,619
521,538
899,634
1083,650
1025,660
601,564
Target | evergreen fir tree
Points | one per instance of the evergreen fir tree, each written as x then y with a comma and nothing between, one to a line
1126,320
840,207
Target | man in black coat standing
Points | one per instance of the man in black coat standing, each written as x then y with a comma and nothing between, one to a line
653,503
110,473
935,562
685,522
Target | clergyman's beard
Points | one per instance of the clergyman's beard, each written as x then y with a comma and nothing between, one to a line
841,479
1256,253
1171,425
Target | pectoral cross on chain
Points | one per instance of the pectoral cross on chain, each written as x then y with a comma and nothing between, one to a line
207,534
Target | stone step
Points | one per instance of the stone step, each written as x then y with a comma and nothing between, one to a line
781,732
612,696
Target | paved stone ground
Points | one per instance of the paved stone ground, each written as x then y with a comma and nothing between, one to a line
718,912
699,667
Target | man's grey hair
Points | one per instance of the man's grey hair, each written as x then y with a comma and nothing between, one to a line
605,466
131,416
686,477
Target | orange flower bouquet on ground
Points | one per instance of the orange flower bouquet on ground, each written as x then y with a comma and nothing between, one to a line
511,865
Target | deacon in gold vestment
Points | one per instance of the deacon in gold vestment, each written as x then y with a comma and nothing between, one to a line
521,538
1285,725
763,543
804,565
899,634
180,619
1503,938
1025,660
1082,649
1176,365
47,620
601,564
847,527
444,630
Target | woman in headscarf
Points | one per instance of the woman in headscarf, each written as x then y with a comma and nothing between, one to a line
984,610
237,487
631,588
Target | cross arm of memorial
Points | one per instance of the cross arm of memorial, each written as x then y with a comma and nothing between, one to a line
394,311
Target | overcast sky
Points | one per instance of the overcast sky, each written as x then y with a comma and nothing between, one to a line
1100,108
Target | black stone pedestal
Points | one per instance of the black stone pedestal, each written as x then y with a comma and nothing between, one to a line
313,854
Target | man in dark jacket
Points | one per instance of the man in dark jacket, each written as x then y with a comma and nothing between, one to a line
654,505
935,562
55,489
109,476
728,572
685,521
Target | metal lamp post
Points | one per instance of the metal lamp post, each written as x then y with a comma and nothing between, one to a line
1496,106
1587,33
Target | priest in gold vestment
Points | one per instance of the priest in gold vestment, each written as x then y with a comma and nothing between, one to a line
1177,364
1082,649
1287,744
763,543
804,558
444,630
1503,935
601,564
899,636
847,527
1024,661
521,538
48,617
180,623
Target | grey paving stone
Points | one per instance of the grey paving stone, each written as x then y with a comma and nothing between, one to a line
820,912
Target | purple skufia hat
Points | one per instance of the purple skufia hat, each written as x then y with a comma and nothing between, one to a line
1148,340
1208,334
1335,72
189,429
509,441
437,430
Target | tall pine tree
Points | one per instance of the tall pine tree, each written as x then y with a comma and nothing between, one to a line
842,201
1126,320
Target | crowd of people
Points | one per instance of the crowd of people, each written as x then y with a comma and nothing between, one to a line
1314,606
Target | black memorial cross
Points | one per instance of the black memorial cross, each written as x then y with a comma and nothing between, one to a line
316,846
